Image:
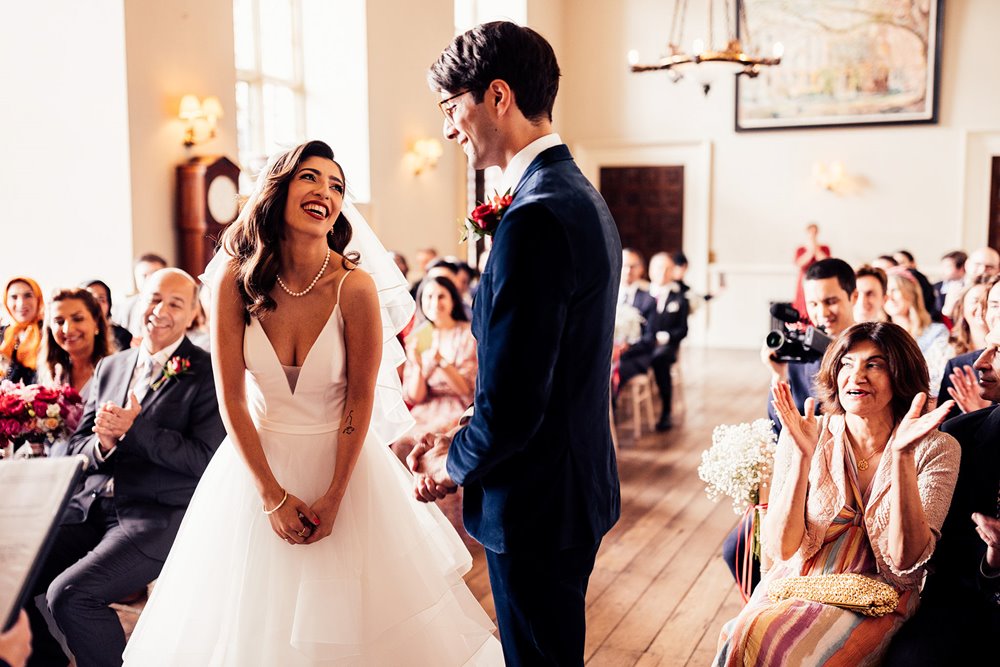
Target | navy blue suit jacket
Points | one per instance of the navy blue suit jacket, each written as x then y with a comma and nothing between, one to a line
536,459
642,349
159,461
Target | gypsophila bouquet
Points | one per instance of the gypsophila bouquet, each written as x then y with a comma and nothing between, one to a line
739,462
628,324
37,414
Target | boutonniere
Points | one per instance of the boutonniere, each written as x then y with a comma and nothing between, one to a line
485,218
175,366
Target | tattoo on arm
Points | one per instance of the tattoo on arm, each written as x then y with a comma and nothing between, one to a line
349,429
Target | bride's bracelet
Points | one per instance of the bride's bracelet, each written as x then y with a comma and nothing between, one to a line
276,507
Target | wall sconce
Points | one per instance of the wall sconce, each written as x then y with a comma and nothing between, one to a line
198,114
424,155
831,176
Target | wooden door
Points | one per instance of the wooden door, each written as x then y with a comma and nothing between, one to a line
994,240
648,206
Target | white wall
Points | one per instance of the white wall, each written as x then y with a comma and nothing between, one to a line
173,48
407,211
64,175
913,180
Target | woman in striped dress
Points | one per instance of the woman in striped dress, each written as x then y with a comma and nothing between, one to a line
863,489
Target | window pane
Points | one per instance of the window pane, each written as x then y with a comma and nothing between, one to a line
280,123
335,71
276,38
243,32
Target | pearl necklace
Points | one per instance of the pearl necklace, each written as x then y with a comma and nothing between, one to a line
315,280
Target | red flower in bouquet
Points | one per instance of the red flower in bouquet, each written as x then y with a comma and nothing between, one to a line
485,218
175,366
36,413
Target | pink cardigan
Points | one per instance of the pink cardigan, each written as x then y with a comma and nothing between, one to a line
937,458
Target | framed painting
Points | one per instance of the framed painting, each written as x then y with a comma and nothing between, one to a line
845,63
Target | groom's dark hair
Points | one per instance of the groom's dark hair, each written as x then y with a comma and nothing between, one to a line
501,50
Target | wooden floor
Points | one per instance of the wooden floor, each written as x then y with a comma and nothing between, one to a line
660,592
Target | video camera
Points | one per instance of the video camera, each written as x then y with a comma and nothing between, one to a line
792,338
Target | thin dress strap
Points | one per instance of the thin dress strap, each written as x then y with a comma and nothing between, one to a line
341,285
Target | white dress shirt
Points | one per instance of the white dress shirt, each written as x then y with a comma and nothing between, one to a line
524,157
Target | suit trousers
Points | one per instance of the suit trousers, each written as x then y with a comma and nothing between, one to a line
91,565
663,359
540,600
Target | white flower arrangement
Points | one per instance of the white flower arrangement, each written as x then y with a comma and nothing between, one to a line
739,462
628,324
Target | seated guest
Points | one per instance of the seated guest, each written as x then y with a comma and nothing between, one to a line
959,615
863,489
76,337
831,294
968,317
439,378
906,260
885,262
149,429
959,381
21,337
635,358
101,291
905,307
669,327
953,278
130,312
872,285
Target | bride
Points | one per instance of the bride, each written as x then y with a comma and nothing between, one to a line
302,544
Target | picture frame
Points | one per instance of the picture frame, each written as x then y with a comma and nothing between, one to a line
846,63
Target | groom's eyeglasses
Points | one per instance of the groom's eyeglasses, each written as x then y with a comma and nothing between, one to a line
446,107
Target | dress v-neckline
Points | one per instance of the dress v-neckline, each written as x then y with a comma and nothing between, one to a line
305,360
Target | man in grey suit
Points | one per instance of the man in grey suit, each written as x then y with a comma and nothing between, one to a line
149,429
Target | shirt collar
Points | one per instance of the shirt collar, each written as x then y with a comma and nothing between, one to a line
524,157
163,356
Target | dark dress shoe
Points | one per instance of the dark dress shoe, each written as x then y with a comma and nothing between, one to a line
664,424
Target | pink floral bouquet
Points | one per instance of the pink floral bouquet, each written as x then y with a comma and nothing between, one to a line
37,414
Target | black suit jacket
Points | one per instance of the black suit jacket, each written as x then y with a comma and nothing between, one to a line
955,576
673,317
159,461
536,459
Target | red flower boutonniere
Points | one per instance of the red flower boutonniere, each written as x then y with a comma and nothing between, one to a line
485,218
175,366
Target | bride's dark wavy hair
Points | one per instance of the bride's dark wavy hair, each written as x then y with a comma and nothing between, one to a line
254,238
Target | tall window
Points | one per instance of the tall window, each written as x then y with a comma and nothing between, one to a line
302,73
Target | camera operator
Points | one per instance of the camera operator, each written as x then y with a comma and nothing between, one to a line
831,292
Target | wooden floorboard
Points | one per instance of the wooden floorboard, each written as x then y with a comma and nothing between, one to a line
660,593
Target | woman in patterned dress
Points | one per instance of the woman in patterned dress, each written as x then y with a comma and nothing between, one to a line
862,489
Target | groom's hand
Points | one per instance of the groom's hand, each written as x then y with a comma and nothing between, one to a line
428,461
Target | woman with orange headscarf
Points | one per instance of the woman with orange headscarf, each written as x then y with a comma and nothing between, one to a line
22,335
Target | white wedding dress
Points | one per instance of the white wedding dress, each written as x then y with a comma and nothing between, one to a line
385,588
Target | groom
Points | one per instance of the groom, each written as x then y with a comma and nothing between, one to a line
535,459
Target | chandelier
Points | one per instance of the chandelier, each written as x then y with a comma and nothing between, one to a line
704,62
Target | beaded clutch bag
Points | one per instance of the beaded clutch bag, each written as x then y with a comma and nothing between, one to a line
856,592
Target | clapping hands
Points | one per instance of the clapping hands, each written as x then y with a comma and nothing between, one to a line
965,389
428,463
989,531
804,429
915,425
112,422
